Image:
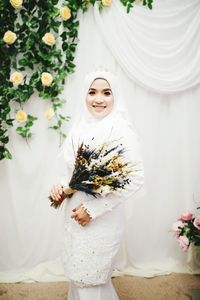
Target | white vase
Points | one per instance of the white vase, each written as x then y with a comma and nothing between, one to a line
194,259
196,255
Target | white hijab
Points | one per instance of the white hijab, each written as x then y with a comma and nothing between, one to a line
88,129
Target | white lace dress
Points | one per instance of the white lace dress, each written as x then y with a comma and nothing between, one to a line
89,252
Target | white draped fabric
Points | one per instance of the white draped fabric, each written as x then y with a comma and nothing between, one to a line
157,49
155,54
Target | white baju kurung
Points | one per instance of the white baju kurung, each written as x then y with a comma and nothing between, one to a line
89,252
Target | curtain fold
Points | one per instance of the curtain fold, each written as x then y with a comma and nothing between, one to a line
158,49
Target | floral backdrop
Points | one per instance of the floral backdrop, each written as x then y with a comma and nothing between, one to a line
38,40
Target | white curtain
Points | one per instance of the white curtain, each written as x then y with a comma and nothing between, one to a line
157,49
156,56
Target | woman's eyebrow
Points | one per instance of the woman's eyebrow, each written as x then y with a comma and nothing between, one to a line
93,89
108,89
104,90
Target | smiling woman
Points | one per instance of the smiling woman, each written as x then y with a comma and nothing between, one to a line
94,225
100,99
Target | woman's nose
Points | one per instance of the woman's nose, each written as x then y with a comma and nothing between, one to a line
98,98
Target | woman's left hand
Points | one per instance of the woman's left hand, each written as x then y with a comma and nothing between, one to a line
80,215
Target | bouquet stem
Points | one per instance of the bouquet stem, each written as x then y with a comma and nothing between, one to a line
68,192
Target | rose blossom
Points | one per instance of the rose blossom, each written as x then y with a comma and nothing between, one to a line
65,13
49,113
48,39
106,2
16,3
16,78
21,116
186,216
176,227
197,222
9,37
46,79
183,242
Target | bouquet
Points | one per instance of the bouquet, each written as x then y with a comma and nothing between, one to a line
187,230
99,171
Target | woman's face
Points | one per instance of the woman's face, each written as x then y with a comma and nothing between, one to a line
99,98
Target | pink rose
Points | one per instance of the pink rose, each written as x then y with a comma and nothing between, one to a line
176,227
197,222
183,242
186,216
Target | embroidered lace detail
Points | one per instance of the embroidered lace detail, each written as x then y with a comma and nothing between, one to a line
88,257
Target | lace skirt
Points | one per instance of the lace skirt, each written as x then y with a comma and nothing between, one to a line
89,252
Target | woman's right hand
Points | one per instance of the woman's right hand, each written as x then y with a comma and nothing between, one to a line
56,193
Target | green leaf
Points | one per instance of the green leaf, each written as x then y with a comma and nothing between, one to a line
22,62
9,122
7,154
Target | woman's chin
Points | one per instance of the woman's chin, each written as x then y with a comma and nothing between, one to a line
100,114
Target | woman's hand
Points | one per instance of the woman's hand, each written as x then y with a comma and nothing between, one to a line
80,215
57,193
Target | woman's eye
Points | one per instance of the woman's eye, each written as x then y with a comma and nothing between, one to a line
91,93
107,93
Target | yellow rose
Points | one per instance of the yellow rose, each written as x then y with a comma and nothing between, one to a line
16,78
48,39
49,114
106,2
21,116
9,37
65,13
16,3
46,79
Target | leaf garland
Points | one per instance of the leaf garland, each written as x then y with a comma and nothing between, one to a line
38,41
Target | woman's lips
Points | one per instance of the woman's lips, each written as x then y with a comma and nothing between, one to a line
99,107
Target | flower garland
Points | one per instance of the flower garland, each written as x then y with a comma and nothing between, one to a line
38,40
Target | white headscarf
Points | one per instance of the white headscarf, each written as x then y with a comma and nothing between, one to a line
88,129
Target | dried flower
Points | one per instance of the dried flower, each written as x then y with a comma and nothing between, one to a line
95,170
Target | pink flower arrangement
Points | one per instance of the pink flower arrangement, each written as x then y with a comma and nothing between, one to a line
187,230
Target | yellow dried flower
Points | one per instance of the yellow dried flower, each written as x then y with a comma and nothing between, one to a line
9,37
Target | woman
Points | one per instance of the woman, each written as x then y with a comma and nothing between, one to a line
94,226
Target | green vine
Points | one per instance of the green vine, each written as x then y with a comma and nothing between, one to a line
38,41
129,3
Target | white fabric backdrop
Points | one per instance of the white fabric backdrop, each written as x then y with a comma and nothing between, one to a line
167,124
